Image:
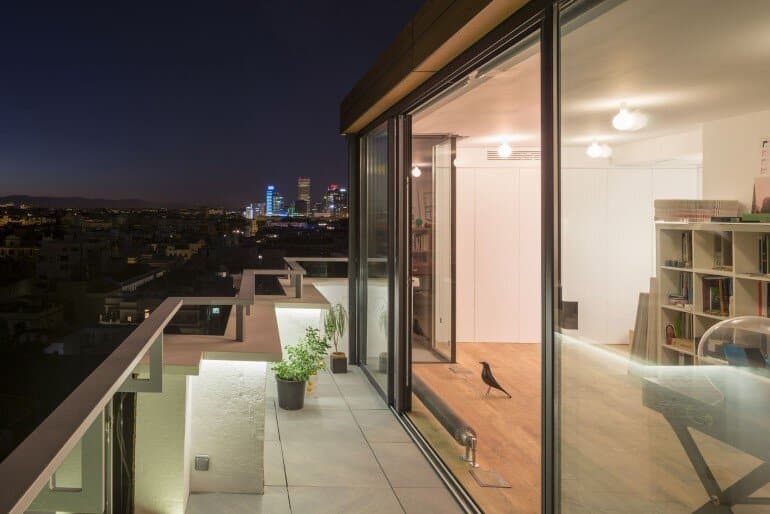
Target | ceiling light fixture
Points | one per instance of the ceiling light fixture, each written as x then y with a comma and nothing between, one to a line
504,150
416,172
597,151
624,119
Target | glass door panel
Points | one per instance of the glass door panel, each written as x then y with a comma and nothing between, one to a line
432,249
374,344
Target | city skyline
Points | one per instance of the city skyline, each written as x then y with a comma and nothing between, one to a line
121,104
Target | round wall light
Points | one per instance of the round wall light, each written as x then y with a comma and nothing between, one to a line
416,172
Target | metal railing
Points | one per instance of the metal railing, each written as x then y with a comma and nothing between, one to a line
297,272
28,472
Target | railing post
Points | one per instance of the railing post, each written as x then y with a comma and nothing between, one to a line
239,323
298,285
153,384
90,496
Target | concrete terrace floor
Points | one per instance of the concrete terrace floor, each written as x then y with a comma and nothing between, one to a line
344,452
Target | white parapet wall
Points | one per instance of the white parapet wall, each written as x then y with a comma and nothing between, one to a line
161,483
227,415
220,413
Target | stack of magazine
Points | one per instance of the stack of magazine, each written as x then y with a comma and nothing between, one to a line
695,210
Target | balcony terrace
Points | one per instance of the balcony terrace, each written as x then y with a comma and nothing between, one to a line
213,396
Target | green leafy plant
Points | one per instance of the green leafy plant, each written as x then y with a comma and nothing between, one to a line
304,358
299,365
317,343
335,321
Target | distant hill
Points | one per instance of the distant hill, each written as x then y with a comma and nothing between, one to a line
63,202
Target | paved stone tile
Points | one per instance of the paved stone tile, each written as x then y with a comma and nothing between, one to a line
341,464
344,500
318,425
274,501
380,426
405,466
362,397
333,453
427,500
271,425
274,469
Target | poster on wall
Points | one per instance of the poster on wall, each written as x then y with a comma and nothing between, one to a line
763,155
761,202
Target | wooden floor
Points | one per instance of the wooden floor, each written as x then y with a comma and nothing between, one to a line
616,455
508,429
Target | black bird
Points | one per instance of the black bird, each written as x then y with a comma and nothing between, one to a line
417,328
489,379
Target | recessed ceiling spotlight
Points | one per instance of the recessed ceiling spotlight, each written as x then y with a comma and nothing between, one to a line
504,150
597,151
416,172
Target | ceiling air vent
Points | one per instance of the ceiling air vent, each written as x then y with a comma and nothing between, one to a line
516,155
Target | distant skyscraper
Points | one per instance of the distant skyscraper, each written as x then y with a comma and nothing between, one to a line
301,207
336,200
278,207
269,194
303,190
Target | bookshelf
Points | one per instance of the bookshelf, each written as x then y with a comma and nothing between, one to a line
708,272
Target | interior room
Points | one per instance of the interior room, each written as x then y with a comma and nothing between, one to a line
647,115
642,119
475,274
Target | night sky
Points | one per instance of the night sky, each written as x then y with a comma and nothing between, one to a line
203,103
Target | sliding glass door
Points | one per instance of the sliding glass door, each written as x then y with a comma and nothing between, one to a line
374,332
431,188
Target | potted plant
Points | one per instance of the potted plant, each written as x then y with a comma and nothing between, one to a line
292,373
335,321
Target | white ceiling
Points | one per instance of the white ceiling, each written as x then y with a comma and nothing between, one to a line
680,62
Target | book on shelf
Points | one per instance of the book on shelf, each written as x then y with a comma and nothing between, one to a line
683,296
763,299
759,217
763,254
695,210
717,291
723,252
421,240
686,248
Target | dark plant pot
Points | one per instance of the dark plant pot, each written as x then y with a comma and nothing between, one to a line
338,362
291,394
383,363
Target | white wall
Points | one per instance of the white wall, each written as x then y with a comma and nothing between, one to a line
227,420
498,249
161,483
608,237
731,156
292,321
336,291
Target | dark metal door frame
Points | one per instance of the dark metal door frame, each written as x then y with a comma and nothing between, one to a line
543,16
